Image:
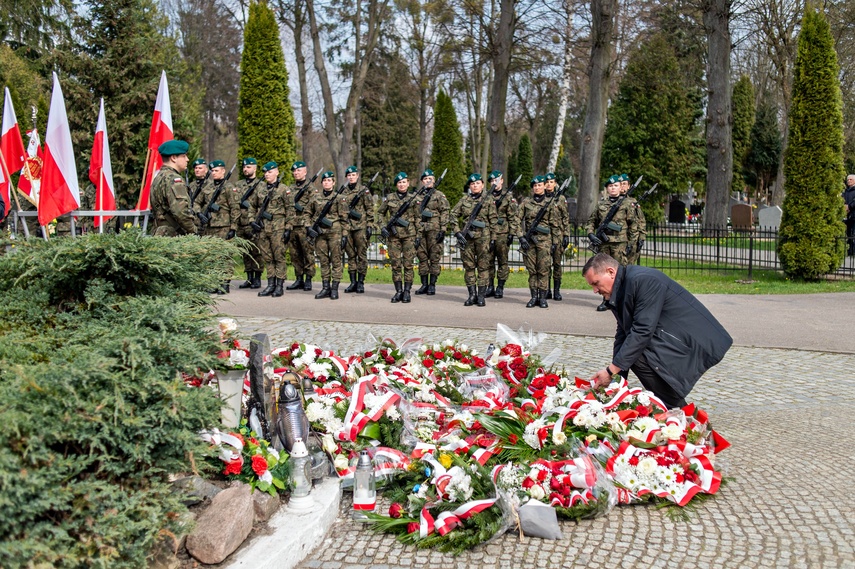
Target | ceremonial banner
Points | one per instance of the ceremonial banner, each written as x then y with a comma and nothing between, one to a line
60,192
161,131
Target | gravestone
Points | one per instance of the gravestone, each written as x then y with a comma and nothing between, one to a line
769,218
742,217
677,211
571,208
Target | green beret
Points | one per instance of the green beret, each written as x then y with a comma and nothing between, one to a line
298,164
218,164
624,177
494,174
249,161
328,174
199,162
173,148
351,170
613,180
535,180
549,176
474,177
427,173
400,176
269,166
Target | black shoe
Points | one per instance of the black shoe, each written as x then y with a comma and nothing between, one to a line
307,283
482,290
472,296
225,288
271,286
279,290
296,285
325,290
352,286
542,299
406,296
399,292
256,280
500,289
424,288
334,291
491,292
556,295
549,294
533,302
602,307
250,278
360,283
432,285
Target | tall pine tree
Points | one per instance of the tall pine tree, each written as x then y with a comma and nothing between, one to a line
447,148
765,146
525,166
742,103
810,242
266,126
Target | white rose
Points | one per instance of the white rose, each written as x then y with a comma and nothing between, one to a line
341,462
537,492
227,325
647,466
328,443
643,399
238,358
672,432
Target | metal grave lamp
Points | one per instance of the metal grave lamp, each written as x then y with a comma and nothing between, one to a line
301,478
364,487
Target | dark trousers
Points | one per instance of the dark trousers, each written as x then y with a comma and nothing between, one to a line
653,382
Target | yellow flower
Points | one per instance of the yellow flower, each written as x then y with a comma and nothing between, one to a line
445,460
591,438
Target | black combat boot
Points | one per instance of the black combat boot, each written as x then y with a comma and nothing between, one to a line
482,291
424,288
325,290
352,286
602,307
279,290
399,292
491,292
360,283
556,295
249,280
542,299
406,296
271,286
256,280
500,289
297,284
432,285
225,288
534,300
334,290
548,294
472,296
307,283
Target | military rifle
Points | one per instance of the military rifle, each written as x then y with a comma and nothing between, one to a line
507,191
535,223
391,228
599,235
464,233
199,185
352,213
315,230
244,199
297,205
258,223
423,208
213,206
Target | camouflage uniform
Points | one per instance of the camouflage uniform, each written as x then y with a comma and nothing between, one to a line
251,258
171,211
360,219
270,239
197,187
506,229
559,238
476,256
625,231
401,243
538,258
227,218
302,251
642,231
327,245
431,239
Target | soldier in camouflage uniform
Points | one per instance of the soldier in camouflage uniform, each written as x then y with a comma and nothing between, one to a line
219,214
537,250
479,240
507,227
639,215
301,197
201,179
326,233
171,211
621,232
560,239
430,239
401,237
245,189
358,228
269,209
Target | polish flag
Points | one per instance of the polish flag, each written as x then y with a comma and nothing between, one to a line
60,192
12,149
101,169
161,131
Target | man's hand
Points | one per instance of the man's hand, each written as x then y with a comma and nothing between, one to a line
601,379
286,237
594,240
510,239
231,234
524,244
440,237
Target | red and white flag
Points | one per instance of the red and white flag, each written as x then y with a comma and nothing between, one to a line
101,169
12,149
31,174
161,131
60,192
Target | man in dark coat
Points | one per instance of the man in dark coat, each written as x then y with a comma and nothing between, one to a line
664,334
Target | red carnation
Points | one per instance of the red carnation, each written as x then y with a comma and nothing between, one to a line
633,461
233,468
555,484
512,350
527,483
457,355
368,354
295,345
259,464
412,527
513,439
565,490
642,410
395,510
390,360
541,475
476,425
318,351
438,355
427,362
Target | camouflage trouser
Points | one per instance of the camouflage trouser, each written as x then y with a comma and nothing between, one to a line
220,232
499,257
357,251
401,253
557,254
273,250
476,257
538,261
429,253
302,253
328,248
252,258
616,251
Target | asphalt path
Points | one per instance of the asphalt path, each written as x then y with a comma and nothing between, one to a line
816,322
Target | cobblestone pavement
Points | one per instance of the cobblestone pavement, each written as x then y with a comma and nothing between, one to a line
786,412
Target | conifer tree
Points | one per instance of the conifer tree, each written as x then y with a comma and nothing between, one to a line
810,242
742,103
447,148
524,162
764,152
266,125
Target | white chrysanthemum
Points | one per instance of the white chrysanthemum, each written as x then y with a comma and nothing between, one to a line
320,369
315,411
559,438
672,432
530,434
643,399
392,413
647,466
334,424
459,489
645,424
634,434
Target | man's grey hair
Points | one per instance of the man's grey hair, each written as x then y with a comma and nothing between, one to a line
599,262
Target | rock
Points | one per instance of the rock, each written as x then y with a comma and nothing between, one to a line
264,504
223,526
196,489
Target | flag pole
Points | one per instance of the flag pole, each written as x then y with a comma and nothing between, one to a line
145,174
14,193
101,200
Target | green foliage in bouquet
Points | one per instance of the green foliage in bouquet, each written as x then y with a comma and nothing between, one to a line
95,333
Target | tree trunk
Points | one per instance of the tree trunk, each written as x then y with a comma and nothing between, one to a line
719,113
602,31
326,92
564,95
305,111
501,57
